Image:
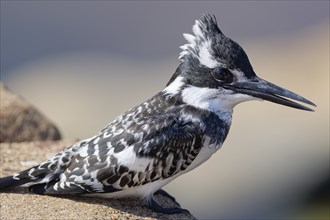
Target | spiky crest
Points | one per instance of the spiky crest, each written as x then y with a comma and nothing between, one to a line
199,45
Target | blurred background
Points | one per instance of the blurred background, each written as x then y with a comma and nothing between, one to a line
82,63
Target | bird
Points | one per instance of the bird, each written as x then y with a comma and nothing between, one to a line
170,134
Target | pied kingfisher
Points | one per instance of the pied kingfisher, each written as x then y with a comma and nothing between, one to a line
166,136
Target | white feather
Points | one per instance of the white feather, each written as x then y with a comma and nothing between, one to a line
214,100
190,38
83,151
139,191
205,58
197,29
175,86
128,158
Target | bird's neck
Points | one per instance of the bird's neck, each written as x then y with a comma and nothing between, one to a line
201,98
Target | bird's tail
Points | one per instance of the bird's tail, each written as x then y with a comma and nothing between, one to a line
10,182
33,175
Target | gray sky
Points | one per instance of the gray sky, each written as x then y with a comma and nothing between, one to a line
140,30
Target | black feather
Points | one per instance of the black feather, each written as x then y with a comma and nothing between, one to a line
33,174
9,182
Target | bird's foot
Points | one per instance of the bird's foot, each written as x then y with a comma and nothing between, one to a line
167,195
153,205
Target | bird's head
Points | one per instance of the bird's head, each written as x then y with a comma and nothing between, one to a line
216,74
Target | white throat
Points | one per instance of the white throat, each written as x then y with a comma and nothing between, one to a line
215,100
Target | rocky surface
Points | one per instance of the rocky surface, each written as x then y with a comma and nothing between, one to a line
18,203
20,121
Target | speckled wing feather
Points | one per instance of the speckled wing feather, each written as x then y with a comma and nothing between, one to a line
120,161
141,146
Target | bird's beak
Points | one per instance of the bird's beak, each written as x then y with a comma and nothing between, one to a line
267,91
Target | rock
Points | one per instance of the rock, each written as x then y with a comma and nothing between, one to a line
18,203
20,121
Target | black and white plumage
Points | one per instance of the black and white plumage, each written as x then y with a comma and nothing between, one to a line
168,135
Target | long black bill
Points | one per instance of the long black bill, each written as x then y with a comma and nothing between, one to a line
267,91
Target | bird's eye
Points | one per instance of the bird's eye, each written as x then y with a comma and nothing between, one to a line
222,74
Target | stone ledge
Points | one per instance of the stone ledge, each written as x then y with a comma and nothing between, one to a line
18,203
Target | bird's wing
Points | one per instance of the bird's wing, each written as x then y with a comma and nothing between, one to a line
129,154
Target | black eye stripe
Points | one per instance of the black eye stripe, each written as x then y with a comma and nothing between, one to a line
222,75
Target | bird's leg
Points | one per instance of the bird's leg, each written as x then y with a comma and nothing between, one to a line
153,205
167,195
